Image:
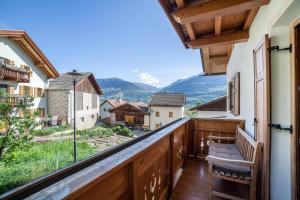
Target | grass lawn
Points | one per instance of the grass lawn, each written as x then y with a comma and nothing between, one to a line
22,166
55,152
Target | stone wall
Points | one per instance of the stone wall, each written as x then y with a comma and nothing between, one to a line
58,101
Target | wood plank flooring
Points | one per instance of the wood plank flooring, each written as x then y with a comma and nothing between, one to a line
193,183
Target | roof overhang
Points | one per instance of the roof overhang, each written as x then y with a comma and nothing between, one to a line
128,104
27,44
93,81
213,26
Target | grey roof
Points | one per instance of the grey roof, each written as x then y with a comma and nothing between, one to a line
65,81
168,99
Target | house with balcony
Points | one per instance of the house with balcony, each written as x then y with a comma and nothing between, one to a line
24,70
131,113
106,106
165,108
87,100
251,153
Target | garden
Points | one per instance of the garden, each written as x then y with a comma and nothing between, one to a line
33,153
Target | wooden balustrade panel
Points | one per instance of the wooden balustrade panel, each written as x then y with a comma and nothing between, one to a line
151,172
178,147
114,187
202,128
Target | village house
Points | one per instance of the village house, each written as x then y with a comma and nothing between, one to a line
165,108
107,105
133,113
218,106
61,98
24,70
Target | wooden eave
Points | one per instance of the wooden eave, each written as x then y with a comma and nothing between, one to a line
94,83
213,26
27,44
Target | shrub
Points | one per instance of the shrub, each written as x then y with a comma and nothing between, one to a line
17,130
97,131
122,130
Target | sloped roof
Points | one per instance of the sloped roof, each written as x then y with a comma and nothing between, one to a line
168,99
143,107
218,104
27,44
114,102
65,81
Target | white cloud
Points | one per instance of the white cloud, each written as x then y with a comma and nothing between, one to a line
148,79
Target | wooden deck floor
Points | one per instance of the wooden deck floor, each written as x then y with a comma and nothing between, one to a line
193,183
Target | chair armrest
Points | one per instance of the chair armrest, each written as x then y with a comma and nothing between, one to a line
218,160
212,137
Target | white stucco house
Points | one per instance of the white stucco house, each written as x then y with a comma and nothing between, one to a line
24,69
61,98
165,108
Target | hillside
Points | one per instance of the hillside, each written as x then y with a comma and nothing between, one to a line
118,88
197,88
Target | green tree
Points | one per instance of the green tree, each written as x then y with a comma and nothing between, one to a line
17,124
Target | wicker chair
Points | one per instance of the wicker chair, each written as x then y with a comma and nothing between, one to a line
237,162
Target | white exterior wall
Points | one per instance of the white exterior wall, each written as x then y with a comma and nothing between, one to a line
273,19
163,119
104,113
11,50
86,113
147,121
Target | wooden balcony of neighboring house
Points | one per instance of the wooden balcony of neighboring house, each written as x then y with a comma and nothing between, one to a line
12,99
168,163
10,72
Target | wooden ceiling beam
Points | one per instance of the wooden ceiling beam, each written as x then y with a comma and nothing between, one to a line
205,57
211,9
180,3
191,32
219,60
229,49
188,26
225,39
218,25
250,17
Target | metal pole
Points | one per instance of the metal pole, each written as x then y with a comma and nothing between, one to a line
75,149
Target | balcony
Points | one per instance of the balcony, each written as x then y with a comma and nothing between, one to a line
12,73
167,162
13,100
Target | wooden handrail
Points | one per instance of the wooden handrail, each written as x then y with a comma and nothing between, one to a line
149,165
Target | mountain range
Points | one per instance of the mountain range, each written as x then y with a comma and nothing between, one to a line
197,89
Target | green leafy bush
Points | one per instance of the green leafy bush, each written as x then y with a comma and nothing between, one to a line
122,130
51,130
18,124
98,131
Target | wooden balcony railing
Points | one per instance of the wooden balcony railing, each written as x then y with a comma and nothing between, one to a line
146,168
13,74
200,129
13,100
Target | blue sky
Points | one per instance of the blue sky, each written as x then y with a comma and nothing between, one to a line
129,39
